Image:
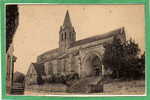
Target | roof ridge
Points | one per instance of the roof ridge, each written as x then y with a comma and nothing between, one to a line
106,33
99,36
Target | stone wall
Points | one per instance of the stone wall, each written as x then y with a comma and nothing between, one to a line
74,59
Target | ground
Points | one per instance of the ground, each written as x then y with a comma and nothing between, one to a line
134,87
115,87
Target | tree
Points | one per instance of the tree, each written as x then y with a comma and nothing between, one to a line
19,77
142,60
141,65
12,16
122,58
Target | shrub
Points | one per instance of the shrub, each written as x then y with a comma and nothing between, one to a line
62,78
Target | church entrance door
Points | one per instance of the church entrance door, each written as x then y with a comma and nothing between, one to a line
92,65
96,65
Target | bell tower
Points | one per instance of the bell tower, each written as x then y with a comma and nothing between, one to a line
67,34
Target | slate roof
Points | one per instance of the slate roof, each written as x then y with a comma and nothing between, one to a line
97,37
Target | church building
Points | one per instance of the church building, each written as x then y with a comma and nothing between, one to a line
84,57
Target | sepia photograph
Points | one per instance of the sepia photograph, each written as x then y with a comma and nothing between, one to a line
62,50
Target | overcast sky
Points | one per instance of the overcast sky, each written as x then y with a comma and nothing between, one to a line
39,26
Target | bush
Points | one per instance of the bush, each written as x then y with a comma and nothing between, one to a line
61,78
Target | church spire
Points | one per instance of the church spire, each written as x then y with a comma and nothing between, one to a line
67,34
67,21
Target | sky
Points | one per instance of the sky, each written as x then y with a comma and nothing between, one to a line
39,25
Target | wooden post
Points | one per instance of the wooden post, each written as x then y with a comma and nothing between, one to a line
12,60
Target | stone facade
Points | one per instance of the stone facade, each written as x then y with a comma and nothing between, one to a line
81,56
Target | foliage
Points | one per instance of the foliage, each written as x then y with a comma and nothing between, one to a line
11,23
61,78
123,59
18,77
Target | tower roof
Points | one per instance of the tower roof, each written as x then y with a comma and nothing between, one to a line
67,21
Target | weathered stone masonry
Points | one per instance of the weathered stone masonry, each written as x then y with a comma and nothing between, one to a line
73,55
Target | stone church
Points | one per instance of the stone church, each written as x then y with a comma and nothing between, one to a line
83,56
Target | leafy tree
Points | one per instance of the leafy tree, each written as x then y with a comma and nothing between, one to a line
12,16
18,77
142,60
122,59
141,65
